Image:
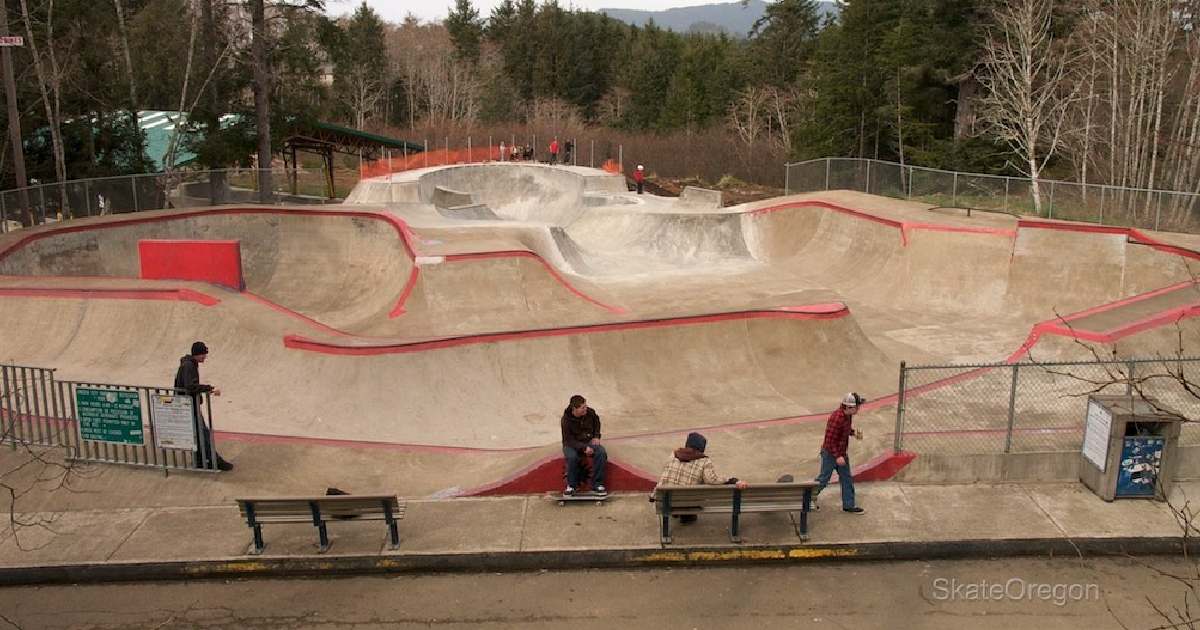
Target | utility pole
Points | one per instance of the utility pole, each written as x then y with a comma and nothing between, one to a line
14,114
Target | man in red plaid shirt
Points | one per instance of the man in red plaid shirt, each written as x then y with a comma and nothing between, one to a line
833,450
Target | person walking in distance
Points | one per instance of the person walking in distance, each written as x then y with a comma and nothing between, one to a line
580,438
834,456
554,150
187,381
639,176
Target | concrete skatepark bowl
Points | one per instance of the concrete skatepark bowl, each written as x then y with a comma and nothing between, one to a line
447,314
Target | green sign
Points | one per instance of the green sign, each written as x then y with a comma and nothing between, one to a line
109,415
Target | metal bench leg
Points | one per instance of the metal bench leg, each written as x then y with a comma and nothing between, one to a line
320,525
324,538
804,514
393,531
665,538
737,512
259,545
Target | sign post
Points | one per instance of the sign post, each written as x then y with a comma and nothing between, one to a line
110,415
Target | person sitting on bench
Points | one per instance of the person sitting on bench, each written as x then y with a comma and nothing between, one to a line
689,466
581,438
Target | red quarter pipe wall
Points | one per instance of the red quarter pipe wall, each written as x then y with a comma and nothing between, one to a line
218,262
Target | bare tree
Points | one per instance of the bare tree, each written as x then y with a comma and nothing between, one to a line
1027,82
49,77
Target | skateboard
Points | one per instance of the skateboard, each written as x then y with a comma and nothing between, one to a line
563,499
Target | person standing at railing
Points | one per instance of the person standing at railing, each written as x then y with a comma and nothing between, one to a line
834,450
554,151
639,177
187,381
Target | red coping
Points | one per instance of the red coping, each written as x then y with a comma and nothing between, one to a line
180,295
816,311
218,262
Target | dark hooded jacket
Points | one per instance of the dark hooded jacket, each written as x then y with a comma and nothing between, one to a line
187,378
577,432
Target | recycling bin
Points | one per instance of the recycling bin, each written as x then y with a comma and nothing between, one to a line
1129,447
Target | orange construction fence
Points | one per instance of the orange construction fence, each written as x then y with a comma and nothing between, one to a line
394,163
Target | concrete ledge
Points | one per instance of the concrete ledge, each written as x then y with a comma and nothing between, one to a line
580,559
700,197
991,467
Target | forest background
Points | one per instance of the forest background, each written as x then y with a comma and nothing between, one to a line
1098,91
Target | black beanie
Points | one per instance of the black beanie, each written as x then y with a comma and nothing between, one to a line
199,348
696,441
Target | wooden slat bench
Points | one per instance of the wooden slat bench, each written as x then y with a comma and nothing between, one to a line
728,499
318,510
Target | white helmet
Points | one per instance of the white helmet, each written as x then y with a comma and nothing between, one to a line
641,168
852,400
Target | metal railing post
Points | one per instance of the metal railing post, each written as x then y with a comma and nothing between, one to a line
1051,207
1012,409
954,193
898,436
1007,181
133,186
787,171
1103,189
1157,211
827,162
42,196
867,184
1129,380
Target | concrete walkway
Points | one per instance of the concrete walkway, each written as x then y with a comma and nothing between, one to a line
531,531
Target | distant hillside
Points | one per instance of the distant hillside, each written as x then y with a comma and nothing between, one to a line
730,17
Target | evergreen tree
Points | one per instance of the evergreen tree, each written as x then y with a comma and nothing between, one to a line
466,30
783,39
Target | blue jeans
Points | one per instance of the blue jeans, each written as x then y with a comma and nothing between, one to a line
828,465
599,463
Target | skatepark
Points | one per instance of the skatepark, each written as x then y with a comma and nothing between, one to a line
426,333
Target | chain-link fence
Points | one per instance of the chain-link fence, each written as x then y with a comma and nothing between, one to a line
1165,210
1030,407
47,203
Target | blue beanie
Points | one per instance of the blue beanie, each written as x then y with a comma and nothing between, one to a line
696,441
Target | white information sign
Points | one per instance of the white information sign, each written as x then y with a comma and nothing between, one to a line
1095,434
12,40
174,424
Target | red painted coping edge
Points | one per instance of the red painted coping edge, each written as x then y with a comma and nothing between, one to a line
549,268
817,311
1134,235
179,295
903,226
213,261
402,229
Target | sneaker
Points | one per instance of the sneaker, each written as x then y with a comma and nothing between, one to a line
600,489
854,510
224,465
569,491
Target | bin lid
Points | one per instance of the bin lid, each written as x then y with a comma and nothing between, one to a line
1146,408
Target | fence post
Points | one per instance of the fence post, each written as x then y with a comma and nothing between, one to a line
827,161
621,158
867,184
42,196
787,171
133,186
87,196
1103,189
592,163
1157,211
897,438
1012,409
469,154
954,193
1129,381
1007,181
908,192
1051,208
3,215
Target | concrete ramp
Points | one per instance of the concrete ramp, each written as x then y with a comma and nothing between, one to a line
517,192
696,197
470,212
444,197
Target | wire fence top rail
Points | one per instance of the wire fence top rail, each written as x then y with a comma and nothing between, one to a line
1023,363
1040,180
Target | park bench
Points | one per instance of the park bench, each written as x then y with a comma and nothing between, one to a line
728,499
320,510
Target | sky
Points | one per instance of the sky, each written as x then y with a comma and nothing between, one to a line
429,10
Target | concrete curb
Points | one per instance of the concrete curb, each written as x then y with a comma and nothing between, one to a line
630,558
